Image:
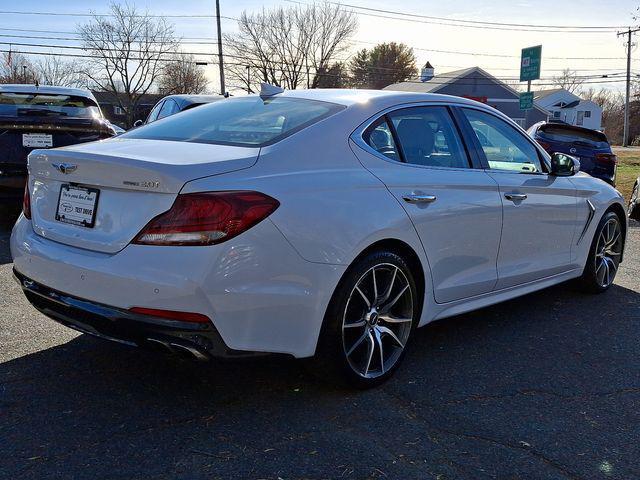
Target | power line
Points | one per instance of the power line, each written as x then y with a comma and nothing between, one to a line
449,21
255,60
476,22
244,64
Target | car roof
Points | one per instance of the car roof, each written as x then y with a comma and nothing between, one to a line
47,89
348,97
185,99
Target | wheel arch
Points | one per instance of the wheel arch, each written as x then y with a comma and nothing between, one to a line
618,209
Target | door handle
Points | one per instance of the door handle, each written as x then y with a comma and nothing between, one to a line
516,197
419,198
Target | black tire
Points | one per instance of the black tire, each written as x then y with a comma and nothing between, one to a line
333,360
634,206
604,256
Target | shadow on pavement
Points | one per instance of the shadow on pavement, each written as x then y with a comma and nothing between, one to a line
546,386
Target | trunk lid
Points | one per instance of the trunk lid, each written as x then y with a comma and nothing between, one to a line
136,180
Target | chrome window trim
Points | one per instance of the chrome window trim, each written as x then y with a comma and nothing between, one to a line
357,135
546,159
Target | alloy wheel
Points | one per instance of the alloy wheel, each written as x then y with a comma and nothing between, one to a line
377,320
608,251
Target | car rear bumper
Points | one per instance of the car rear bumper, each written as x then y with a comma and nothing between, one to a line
197,340
260,295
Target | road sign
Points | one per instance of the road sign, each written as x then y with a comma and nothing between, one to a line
530,63
526,100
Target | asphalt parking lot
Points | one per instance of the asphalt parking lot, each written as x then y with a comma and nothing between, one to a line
542,387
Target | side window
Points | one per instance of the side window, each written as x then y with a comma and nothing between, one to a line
169,108
428,137
504,146
379,137
153,115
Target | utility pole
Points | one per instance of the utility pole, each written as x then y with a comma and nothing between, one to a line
625,136
223,90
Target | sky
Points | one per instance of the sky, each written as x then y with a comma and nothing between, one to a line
495,50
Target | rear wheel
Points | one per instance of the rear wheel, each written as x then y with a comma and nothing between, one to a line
634,208
369,321
604,256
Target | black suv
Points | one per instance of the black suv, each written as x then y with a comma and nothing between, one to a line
33,117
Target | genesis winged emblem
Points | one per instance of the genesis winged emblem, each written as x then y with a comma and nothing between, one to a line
65,167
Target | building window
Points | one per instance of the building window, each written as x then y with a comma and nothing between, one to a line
556,114
118,110
587,114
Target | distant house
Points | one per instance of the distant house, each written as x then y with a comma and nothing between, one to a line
113,112
570,108
476,84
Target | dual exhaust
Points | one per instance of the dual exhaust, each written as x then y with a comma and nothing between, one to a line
180,349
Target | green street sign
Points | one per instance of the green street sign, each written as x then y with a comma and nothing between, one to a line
526,100
530,63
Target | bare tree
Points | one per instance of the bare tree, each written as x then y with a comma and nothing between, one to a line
612,104
53,70
182,75
569,80
16,68
287,46
128,50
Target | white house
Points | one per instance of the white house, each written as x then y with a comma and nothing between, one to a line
570,108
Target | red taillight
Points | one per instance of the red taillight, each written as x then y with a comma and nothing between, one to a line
607,158
26,203
207,218
172,315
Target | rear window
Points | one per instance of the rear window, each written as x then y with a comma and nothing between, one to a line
40,104
247,121
561,133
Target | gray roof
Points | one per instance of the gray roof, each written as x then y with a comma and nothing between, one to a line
545,93
438,81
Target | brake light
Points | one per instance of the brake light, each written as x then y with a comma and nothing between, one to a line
26,202
172,315
608,158
207,218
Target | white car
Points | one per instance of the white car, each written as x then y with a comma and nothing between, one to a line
311,222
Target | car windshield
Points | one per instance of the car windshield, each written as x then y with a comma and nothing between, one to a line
561,133
248,121
40,104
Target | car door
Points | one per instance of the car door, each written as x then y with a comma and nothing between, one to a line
539,209
418,153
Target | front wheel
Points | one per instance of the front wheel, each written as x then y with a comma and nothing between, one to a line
604,255
369,321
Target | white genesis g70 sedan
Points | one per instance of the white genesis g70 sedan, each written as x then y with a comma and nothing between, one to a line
326,223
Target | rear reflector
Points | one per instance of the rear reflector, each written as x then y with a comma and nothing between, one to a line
607,158
172,315
26,202
207,218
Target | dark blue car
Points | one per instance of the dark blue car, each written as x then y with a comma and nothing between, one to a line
589,146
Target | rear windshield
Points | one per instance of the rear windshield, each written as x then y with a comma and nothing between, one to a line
40,104
247,121
561,133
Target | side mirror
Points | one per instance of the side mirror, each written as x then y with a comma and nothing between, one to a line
137,123
563,165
